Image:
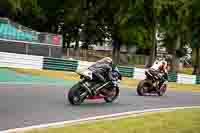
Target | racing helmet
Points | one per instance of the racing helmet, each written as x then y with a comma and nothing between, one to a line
108,60
163,65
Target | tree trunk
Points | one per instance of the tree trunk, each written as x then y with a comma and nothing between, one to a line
113,54
176,46
68,41
116,51
64,41
64,50
118,54
87,54
113,50
197,62
77,48
173,63
149,13
153,50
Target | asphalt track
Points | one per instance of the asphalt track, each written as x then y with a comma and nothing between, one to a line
27,105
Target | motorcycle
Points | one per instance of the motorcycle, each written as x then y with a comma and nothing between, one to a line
152,85
89,88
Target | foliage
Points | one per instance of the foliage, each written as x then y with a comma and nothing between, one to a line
127,22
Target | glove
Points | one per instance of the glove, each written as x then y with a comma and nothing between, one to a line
160,75
165,82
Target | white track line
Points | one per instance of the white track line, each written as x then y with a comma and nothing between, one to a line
58,124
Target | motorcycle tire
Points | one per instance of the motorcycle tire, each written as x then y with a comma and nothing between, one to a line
109,99
140,87
74,95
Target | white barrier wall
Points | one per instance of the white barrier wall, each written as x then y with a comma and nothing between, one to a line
36,62
186,79
139,73
20,60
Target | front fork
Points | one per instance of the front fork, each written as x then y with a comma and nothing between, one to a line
84,85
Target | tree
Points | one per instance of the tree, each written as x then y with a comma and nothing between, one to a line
10,8
150,24
116,22
173,20
195,33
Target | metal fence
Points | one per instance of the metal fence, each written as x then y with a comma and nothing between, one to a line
14,31
94,55
17,38
30,48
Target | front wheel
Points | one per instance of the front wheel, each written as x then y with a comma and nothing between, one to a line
75,95
112,94
143,87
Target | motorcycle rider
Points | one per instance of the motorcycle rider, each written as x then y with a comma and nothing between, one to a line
159,70
102,69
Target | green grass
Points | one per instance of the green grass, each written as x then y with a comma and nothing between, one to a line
187,71
128,82
183,71
181,121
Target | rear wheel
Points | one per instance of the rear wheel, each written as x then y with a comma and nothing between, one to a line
112,94
76,94
163,89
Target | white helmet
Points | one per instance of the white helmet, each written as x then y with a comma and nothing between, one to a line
108,59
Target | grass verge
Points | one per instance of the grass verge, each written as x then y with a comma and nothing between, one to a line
180,121
130,83
187,71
